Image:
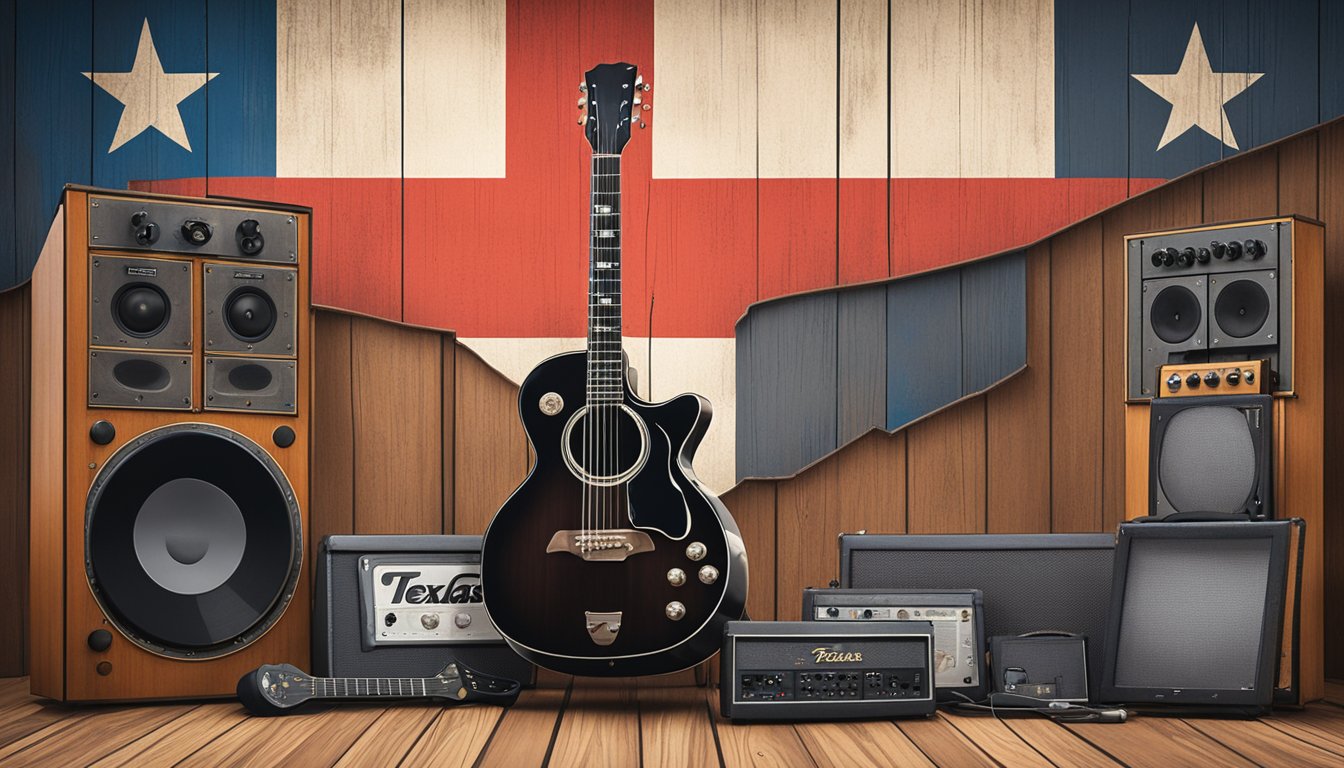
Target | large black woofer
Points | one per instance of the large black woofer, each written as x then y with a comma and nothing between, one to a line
193,541
140,309
249,314
1241,308
1175,314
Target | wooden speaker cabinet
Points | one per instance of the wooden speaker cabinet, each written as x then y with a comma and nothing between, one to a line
171,403
1276,290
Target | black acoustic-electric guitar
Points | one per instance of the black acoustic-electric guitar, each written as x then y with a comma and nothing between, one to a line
610,558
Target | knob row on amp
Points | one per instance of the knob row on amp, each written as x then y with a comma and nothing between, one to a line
1252,250
1250,377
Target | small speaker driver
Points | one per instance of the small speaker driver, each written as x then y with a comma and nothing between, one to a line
1175,314
1241,309
249,314
140,309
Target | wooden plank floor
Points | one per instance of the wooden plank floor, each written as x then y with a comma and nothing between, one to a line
632,723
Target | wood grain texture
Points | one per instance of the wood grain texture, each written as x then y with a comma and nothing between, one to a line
993,321
1075,359
397,394
999,741
1184,745
176,739
1057,744
1017,421
15,352
757,744
1331,176
525,735
490,448
391,737
861,362
924,342
1263,744
333,506
597,729
317,740
1246,189
1299,176
675,728
84,739
942,743
946,471
789,370
863,192
753,505
836,745
455,737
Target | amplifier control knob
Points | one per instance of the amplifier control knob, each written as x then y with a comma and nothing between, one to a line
1254,249
1233,377
197,232
390,619
676,577
1156,258
696,551
1186,257
1249,376
1192,381
146,231
249,238
1174,382
462,620
1168,257
708,574
1202,255
833,611
1219,249
675,611
429,620
100,640
1233,251
1211,378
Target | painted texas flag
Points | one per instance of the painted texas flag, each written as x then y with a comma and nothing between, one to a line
790,145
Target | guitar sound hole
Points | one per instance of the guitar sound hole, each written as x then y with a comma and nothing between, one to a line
605,443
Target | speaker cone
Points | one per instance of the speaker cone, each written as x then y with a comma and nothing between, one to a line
1241,309
1175,314
249,314
193,541
140,309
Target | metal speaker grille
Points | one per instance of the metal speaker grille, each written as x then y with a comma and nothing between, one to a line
1207,462
1193,613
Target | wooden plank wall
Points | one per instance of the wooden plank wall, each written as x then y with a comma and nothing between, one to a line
415,434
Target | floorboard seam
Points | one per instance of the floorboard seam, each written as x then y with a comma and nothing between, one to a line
1332,749
1191,725
355,740
967,736
210,741
145,748
714,727
559,718
480,756
1094,747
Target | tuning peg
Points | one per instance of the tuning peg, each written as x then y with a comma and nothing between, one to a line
583,101
583,87
647,86
638,101
580,120
639,81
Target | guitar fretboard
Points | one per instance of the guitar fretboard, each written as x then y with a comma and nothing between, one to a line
367,687
605,374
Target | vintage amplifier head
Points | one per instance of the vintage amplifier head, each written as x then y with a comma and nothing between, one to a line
957,616
807,670
404,606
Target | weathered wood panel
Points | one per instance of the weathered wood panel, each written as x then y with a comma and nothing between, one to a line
1075,395
861,362
1332,212
993,321
490,454
1017,428
863,194
924,343
753,506
945,461
332,510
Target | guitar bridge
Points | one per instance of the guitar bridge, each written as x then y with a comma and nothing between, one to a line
603,626
613,544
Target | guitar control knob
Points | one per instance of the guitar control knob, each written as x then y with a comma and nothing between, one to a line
462,620
1192,381
1174,382
1211,378
1233,377
197,232
696,551
1255,249
708,574
675,611
429,620
676,577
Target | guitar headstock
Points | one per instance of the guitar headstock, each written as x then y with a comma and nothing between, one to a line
275,688
614,98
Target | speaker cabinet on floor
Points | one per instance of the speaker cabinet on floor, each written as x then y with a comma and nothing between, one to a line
170,446
1210,300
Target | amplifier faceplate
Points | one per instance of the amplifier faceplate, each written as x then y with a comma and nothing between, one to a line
417,601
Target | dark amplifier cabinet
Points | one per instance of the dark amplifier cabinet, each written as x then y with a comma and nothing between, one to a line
404,606
807,670
1047,582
